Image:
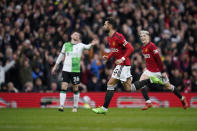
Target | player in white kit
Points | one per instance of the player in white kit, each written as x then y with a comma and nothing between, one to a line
72,51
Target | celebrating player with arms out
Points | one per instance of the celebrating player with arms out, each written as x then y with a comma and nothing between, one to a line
121,50
154,67
71,69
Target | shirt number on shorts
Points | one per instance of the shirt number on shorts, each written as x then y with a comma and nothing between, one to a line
75,79
116,71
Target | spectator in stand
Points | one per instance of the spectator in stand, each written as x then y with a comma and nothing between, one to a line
187,83
4,69
25,71
38,85
85,73
53,87
105,76
194,78
94,84
176,79
37,73
28,87
11,88
96,66
3,88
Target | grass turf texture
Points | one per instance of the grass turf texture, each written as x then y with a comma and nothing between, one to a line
129,119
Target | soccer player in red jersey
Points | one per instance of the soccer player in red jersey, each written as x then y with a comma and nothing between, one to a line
120,50
154,67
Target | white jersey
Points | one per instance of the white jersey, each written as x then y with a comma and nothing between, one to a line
73,54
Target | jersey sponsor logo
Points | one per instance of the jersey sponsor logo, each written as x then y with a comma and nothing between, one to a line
114,50
146,56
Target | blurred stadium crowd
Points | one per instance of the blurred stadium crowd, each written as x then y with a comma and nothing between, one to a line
32,33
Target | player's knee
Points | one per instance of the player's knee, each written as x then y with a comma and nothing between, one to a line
75,88
169,86
64,86
127,87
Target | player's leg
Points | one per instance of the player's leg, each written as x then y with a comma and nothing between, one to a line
64,86
76,93
126,80
144,92
140,84
177,93
112,83
143,83
127,85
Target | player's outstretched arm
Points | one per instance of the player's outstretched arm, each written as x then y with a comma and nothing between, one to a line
94,42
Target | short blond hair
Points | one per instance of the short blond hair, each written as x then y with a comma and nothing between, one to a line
145,32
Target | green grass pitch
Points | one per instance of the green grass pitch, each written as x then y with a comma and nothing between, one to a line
128,119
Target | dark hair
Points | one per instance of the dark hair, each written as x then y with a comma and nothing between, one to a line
77,32
111,21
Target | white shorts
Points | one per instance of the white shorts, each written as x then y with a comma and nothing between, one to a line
121,72
156,74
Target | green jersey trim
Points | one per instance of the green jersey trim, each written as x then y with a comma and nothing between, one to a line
68,47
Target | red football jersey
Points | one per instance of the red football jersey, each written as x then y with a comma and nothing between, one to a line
152,58
120,48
